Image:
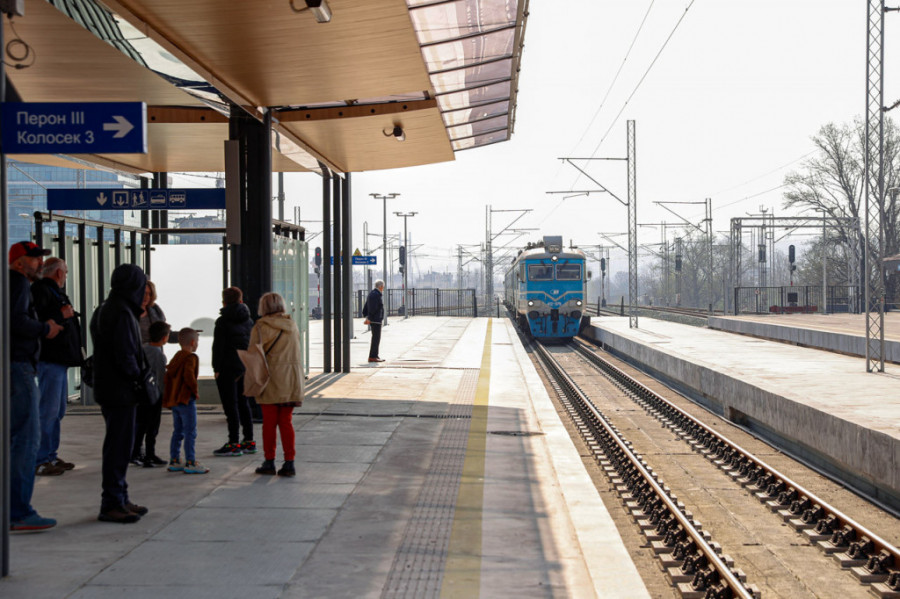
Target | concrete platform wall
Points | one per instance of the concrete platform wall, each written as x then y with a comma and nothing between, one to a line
854,345
868,457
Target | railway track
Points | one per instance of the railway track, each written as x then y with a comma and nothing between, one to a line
730,557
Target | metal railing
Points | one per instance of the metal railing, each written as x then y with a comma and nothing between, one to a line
424,302
799,299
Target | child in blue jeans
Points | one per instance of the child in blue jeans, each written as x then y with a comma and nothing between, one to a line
181,397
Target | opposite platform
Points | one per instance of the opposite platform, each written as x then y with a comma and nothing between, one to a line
444,471
843,333
822,406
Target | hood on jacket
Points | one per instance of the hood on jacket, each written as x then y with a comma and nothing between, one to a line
282,322
235,312
128,281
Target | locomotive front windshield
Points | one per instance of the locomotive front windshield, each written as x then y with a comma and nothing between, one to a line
540,272
568,272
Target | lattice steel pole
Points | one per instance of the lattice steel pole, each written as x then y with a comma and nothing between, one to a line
632,229
874,166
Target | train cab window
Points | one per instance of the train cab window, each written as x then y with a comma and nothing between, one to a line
568,272
540,272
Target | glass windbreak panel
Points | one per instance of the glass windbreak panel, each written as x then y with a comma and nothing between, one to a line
540,272
568,272
471,76
190,297
478,127
449,20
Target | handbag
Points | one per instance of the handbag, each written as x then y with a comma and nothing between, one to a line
256,373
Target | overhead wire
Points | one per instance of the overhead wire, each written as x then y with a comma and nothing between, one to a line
616,77
643,77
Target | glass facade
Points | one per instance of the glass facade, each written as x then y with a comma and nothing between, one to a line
28,185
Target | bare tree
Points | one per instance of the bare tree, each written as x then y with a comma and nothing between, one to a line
833,181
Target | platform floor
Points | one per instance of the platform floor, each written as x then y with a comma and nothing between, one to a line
444,471
849,324
825,404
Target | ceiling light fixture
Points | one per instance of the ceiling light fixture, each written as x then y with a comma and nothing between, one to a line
319,8
397,133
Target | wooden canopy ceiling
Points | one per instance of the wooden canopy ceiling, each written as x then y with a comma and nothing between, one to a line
258,54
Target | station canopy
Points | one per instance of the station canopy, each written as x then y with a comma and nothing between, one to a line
443,71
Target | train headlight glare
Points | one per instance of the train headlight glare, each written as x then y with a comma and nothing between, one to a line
577,302
530,302
554,258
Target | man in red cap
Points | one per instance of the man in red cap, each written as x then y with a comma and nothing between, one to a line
26,332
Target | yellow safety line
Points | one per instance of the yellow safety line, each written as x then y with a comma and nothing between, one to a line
462,571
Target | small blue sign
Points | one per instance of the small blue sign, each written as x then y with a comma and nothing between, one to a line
358,260
74,127
136,199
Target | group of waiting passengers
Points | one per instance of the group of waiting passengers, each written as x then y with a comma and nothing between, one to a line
132,380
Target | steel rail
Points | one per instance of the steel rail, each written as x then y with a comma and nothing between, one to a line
843,534
721,581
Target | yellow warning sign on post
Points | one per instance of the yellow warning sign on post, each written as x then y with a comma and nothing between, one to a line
357,252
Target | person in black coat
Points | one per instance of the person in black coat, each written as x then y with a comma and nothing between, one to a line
118,363
231,333
57,355
374,313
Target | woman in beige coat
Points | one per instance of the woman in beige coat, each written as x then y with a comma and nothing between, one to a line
280,338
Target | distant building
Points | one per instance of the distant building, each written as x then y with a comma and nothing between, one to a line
28,185
198,222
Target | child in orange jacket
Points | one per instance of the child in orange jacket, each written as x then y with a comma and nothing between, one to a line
180,396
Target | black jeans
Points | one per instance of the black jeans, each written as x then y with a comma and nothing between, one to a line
376,339
236,406
147,428
117,446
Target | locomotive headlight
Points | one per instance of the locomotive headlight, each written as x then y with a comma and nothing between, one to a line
530,302
554,258
578,302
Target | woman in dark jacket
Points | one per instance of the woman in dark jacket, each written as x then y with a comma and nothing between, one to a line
232,332
118,361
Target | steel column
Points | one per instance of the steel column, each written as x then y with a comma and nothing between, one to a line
347,271
326,267
336,273
874,178
632,228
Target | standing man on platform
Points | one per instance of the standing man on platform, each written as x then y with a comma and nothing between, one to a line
57,355
26,331
374,313
118,364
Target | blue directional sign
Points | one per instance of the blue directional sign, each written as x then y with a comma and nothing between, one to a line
136,199
74,128
359,260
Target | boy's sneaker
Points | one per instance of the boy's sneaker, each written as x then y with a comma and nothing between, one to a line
229,450
248,446
61,463
32,523
175,465
194,467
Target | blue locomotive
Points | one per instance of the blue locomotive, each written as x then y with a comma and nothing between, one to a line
545,289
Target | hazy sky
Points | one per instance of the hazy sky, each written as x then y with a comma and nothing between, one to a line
727,110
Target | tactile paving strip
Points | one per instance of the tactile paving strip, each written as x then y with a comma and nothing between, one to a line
419,563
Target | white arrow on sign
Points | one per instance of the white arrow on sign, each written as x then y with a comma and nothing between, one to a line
101,199
122,126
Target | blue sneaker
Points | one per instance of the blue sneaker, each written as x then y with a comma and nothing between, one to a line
175,465
32,523
194,467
